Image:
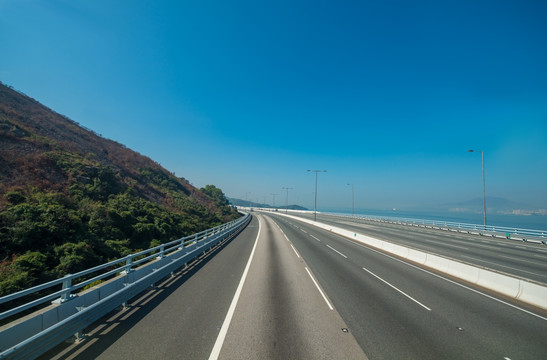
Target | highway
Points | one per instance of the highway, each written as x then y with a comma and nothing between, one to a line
517,258
286,290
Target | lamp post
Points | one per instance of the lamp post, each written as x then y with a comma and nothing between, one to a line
315,206
273,196
483,186
287,200
352,200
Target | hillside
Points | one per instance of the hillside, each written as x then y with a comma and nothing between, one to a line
70,198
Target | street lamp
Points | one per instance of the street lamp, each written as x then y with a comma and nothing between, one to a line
352,200
315,207
287,200
483,187
273,196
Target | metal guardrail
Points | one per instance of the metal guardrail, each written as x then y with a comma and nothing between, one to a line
135,273
489,230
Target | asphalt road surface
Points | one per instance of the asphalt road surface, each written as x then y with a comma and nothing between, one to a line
286,290
517,258
396,310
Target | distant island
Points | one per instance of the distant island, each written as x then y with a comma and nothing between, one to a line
245,203
494,205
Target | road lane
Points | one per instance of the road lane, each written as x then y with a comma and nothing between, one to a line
179,318
460,322
524,260
281,313
299,295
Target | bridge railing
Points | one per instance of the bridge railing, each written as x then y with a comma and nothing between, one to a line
73,308
491,230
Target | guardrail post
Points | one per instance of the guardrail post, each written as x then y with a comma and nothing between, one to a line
128,264
161,254
79,336
67,285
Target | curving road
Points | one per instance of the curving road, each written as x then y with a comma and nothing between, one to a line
397,310
286,290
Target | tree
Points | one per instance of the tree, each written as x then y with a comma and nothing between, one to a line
215,194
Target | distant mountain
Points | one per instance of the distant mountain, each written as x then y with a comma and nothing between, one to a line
246,203
70,199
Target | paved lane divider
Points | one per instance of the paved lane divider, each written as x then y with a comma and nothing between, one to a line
307,270
226,324
296,252
320,291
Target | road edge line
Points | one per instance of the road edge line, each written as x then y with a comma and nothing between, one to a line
318,288
226,324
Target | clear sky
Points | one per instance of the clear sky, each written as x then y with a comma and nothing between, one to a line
248,95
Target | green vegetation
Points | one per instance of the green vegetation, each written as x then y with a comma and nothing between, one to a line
46,235
70,199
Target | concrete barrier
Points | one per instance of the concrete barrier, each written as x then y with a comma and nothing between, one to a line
520,289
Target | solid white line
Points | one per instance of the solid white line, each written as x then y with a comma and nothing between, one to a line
402,292
226,324
333,249
315,238
295,251
318,288
282,232
279,228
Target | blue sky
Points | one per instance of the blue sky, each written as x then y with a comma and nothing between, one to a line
248,95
